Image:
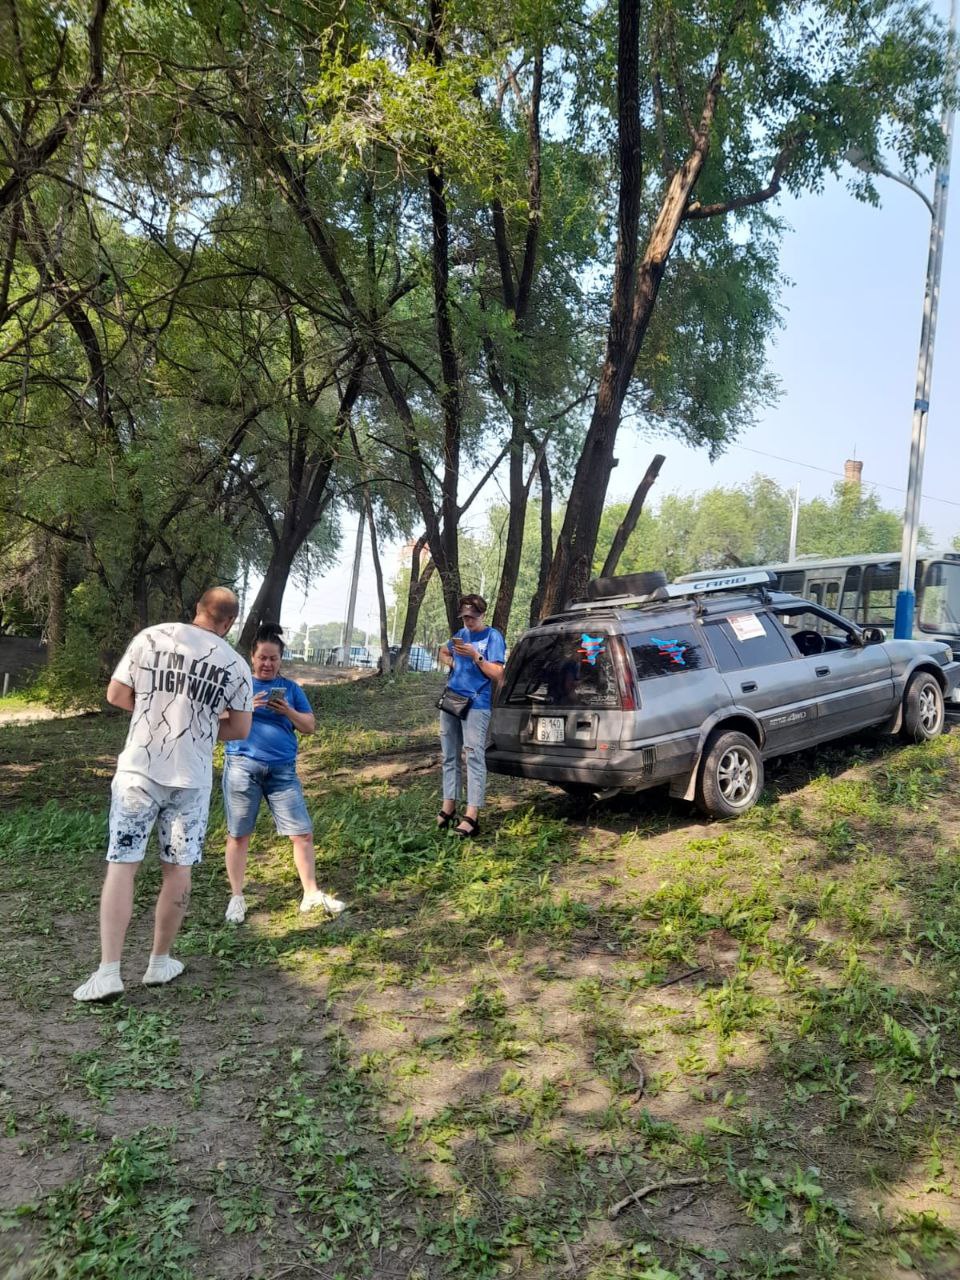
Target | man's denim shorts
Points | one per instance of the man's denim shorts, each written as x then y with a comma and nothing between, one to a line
247,781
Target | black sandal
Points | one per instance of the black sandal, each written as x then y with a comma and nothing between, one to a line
444,819
474,828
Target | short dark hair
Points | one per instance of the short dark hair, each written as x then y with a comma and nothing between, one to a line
474,602
219,604
268,633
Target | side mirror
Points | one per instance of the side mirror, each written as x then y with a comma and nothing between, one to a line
874,635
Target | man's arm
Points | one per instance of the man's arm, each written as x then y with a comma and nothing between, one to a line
234,726
120,695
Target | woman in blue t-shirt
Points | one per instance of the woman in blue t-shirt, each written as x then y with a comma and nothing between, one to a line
475,657
264,767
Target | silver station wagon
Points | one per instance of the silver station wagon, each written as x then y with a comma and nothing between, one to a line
696,683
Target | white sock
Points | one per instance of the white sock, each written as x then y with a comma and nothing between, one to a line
111,970
159,959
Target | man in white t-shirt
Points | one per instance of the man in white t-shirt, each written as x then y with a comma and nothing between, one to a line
186,688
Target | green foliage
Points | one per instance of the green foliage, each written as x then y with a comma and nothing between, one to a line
139,1051
119,1220
50,829
750,524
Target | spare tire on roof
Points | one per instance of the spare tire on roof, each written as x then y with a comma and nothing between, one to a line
627,584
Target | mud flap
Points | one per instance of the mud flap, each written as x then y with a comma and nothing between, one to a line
684,787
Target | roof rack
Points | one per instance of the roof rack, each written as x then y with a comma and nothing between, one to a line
722,582
762,578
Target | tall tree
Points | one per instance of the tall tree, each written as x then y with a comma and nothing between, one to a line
718,107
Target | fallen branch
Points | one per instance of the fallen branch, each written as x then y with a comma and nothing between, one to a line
691,973
635,1197
641,1078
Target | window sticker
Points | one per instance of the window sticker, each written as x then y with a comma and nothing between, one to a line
672,649
591,648
746,626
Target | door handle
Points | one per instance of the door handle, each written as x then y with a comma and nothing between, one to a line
823,671
749,686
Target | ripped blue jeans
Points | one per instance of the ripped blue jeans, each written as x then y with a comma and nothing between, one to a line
468,737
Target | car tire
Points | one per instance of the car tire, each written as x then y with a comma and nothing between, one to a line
923,710
731,775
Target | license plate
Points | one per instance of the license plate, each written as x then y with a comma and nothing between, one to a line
550,729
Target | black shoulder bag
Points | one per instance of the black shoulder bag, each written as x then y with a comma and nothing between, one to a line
455,704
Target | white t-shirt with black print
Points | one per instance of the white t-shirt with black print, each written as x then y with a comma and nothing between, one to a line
183,678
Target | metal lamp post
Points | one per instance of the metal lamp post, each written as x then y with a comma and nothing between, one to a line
906,596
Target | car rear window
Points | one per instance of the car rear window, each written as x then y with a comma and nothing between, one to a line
562,669
668,651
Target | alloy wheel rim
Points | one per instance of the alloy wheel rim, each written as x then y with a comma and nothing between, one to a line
736,776
929,709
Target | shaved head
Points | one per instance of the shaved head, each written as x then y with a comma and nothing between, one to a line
218,605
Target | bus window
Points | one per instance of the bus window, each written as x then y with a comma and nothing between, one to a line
939,604
879,600
851,594
792,582
824,592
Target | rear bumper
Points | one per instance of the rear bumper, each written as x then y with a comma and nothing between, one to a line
627,770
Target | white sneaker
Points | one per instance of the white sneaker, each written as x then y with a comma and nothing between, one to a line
99,986
236,911
332,906
161,970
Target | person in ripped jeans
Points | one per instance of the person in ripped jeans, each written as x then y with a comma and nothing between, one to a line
264,767
475,656
186,689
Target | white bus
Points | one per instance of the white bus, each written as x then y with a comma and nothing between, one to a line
864,589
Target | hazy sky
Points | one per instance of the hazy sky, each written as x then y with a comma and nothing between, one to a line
846,358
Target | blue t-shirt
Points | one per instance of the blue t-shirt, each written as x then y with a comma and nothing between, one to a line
272,739
466,677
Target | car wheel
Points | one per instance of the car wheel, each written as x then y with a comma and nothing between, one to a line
922,708
731,776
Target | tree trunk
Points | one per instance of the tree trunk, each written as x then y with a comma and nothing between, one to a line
56,598
517,300
450,393
516,515
419,581
377,567
629,521
636,284
546,537
269,599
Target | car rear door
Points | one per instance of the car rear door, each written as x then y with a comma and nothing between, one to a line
560,694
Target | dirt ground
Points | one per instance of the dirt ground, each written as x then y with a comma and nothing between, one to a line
603,1042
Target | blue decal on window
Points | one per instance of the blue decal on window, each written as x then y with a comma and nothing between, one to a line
591,647
674,650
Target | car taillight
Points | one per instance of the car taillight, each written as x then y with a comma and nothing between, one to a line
629,694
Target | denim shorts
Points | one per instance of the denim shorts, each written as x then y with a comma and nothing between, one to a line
247,781
180,815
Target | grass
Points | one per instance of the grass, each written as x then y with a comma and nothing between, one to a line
503,1038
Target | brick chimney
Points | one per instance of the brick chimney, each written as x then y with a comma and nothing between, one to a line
851,472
